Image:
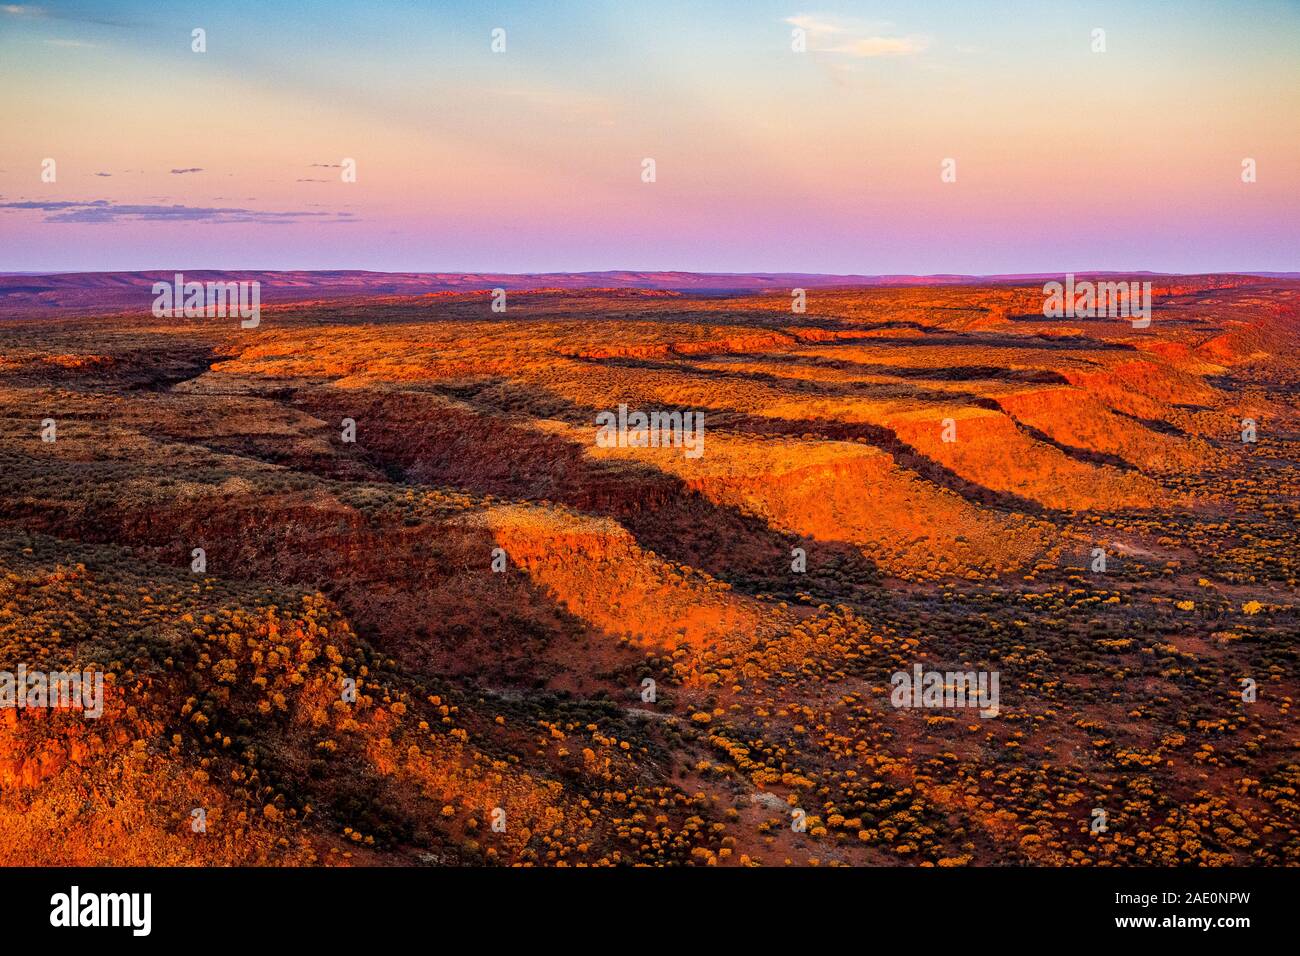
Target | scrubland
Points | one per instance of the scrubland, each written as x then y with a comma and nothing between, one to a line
520,697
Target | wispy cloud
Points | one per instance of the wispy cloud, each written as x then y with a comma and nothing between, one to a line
848,38
188,169
882,46
95,211
812,25
29,11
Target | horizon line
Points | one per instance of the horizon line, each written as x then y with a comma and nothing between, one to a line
755,274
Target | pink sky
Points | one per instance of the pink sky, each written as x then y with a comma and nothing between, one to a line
766,159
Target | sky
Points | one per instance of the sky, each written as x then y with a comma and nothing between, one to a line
766,158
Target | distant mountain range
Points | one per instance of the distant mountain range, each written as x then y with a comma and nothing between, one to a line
67,292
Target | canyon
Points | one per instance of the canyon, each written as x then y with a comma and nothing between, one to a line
905,475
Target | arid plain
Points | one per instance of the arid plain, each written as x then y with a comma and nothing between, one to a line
946,463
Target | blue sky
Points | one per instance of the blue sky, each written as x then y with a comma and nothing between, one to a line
766,159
